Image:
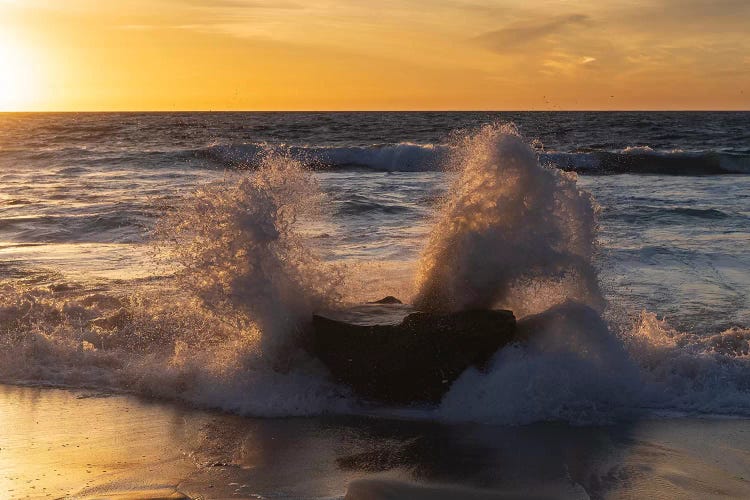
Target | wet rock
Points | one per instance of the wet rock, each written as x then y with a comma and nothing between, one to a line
415,360
390,299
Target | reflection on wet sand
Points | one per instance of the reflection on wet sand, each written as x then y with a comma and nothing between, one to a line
74,444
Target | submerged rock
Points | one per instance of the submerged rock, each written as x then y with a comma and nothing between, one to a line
415,360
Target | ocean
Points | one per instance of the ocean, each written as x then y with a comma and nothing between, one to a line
174,256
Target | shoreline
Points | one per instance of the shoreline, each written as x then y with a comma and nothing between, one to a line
68,443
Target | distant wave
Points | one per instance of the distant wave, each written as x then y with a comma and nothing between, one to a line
406,157
402,157
646,161
410,157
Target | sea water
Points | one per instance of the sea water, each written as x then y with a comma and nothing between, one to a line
178,255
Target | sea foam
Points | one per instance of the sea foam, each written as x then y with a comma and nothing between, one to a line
514,233
223,332
510,233
239,249
226,330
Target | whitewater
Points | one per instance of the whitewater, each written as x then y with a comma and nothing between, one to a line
134,261
185,267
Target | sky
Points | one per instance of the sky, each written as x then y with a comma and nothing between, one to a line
100,55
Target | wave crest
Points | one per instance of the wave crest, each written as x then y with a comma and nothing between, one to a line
401,157
410,157
510,233
239,249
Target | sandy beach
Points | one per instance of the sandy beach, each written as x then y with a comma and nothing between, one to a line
348,250
59,443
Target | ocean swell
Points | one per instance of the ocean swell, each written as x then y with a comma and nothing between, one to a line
410,157
402,157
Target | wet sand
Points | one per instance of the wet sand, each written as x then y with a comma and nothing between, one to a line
58,443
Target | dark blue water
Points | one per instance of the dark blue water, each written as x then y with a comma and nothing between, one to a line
669,142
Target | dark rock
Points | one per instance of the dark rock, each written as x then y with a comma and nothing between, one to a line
414,361
387,300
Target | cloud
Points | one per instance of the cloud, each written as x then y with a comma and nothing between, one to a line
237,18
700,10
520,34
241,4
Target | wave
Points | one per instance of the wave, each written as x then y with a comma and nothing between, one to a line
482,251
163,344
223,332
227,330
576,368
410,157
647,161
639,214
240,251
116,225
160,343
406,157
402,157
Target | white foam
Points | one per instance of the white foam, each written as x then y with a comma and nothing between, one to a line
572,368
225,332
240,250
511,233
401,157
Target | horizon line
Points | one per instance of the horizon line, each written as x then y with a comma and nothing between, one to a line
448,110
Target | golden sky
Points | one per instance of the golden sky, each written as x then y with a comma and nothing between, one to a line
377,54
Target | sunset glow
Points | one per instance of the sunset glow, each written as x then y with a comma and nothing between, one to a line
18,81
348,54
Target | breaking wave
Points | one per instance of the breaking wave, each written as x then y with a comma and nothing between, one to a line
240,251
227,329
410,157
579,369
509,232
514,233
402,157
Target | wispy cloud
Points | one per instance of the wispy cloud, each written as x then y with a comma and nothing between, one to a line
242,4
237,18
518,34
